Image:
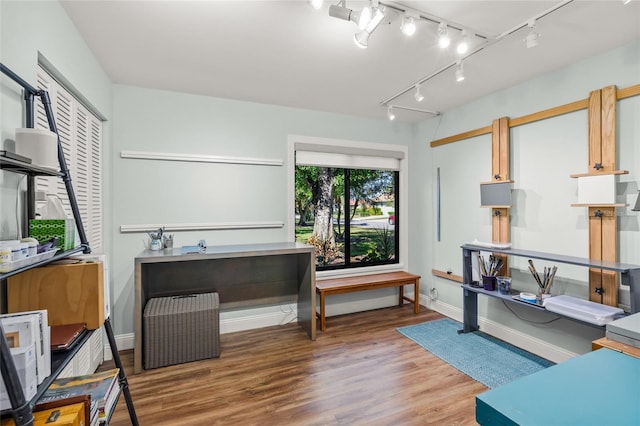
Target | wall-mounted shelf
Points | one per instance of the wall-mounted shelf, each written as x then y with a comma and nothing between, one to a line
599,205
630,276
614,172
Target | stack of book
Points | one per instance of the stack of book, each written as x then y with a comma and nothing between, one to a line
28,336
102,387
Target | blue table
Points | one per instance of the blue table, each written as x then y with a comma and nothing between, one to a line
599,388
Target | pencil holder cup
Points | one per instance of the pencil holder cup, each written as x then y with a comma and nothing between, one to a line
504,285
489,282
155,244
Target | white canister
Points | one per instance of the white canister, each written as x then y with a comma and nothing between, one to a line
40,145
24,250
16,249
32,245
5,254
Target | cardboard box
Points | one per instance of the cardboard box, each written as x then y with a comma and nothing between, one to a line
46,229
71,292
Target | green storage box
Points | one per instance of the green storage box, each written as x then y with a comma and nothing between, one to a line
46,229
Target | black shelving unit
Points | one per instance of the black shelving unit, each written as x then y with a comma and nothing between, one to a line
21,410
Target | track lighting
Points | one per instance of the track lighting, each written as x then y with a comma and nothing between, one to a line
361,18
459,72
408,26
362,38
532,37
316,4
390,114
443,36
418,96
463,46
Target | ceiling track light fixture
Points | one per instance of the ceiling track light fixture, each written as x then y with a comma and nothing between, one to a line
408,26
418,95
443,36
532,36
361,17
459,71
362,38
390,114
463,46
488,41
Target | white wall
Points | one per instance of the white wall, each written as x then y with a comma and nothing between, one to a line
161,192
543,155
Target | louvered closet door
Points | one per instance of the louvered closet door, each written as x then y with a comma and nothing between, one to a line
80,133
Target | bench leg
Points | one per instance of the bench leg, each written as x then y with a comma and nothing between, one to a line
416,297
401,301
323,318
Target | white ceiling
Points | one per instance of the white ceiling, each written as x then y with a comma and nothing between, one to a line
286,53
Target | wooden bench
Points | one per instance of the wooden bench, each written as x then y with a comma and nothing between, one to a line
344,285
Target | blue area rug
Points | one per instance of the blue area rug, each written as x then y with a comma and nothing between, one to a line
486,359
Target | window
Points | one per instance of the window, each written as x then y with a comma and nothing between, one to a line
80,134
348,203
348,215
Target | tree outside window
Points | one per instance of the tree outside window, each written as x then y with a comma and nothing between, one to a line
348,215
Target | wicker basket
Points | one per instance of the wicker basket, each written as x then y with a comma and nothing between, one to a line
181,329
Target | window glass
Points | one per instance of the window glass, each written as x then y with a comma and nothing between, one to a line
348,215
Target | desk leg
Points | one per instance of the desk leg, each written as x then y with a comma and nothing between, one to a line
401,301
470,311
416,297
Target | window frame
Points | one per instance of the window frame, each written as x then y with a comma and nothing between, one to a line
327,145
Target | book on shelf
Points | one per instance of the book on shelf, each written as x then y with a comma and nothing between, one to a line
103,388
24,328
63,336
24,359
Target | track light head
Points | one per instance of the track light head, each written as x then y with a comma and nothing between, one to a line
408,26
361,18
362,38
532,36
418,96
443,36
463,46
340,12
459,72
390,114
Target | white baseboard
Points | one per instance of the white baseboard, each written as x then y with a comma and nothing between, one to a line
524,341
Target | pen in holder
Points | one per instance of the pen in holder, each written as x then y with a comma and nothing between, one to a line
544,282
155,242
489,269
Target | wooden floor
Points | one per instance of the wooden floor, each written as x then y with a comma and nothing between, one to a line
360,371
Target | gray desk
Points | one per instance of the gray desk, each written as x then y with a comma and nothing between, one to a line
243,275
